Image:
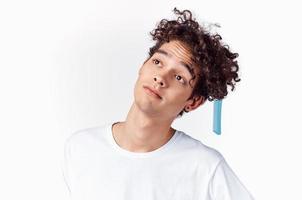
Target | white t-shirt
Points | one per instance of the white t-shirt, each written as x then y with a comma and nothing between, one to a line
97,168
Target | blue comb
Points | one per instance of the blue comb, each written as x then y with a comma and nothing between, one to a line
217,117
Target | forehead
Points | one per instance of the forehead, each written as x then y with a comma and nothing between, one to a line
179,51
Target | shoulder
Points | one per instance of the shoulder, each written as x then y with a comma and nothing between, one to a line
194,148
83,139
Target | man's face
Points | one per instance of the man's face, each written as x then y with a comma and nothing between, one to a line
166,74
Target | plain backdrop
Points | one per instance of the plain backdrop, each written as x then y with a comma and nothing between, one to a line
69,65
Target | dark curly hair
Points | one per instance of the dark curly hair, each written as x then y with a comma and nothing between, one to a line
217,63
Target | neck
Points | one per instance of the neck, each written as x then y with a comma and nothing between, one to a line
141,133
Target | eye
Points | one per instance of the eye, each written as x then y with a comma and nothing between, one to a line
180,79
156,61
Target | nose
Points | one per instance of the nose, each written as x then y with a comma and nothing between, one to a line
159,80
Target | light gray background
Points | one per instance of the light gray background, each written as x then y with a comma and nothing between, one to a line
68,65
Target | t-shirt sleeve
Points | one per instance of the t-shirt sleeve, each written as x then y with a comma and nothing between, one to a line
225,185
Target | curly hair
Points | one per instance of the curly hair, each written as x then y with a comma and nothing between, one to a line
218,67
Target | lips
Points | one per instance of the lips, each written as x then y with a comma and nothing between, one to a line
153,91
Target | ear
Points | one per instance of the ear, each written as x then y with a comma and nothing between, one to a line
194,103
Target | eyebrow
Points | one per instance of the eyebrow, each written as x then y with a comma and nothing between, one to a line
187,66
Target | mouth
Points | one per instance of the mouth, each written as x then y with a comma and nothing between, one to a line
152,92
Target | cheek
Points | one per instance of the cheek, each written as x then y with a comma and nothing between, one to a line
146,73
181,94
140,71
146,68
176,96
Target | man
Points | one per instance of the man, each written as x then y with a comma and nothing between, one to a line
143,157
